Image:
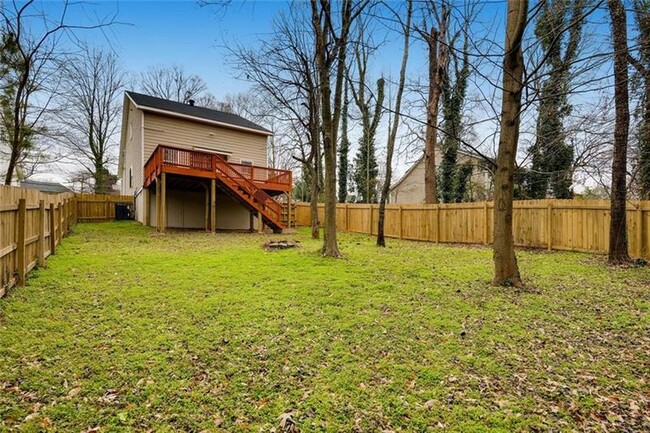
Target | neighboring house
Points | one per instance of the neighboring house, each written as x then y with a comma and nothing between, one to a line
193,167
45,187
410,187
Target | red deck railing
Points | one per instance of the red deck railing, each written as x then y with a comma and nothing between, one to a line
203,164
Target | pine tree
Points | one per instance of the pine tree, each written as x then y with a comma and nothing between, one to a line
366,169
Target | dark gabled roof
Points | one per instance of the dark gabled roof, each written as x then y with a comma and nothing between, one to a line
173,107
48,187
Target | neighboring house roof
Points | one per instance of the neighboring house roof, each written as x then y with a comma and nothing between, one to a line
406,175
415,164
47,187
173,108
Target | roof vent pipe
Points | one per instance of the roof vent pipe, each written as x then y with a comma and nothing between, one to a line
191,102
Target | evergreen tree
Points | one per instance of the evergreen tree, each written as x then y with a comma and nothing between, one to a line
552,157
366,169
461,182
453,179
642,65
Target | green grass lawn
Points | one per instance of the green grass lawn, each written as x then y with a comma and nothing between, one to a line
129,331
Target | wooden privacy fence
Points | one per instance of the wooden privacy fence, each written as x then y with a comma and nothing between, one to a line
574,225
32,224
98,207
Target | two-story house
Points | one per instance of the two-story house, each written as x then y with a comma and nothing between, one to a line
193,167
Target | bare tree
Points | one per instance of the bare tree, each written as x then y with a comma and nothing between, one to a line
176,84
390,145
436,40
331,40
91,92
506,270
283,69
366,170
618,251
31,48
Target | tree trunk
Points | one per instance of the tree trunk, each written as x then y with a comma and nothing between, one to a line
506,271
313,202
437,65
618,252
390,145
644,145
12,166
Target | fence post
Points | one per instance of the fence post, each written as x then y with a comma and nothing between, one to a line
437,223
399,216
52,230
60,221
347,218
107,209
64,227
370,219
549,229
20,242
75,210
41,233
486,229
639,228
68,214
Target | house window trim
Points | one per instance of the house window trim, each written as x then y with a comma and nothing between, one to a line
131,177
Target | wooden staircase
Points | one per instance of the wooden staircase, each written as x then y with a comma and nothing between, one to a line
250,194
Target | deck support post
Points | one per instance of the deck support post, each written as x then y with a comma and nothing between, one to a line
260,222
207,209
163,202
213,206
289,209
145,206
158,212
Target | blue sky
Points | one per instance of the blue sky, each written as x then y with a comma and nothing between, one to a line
158,33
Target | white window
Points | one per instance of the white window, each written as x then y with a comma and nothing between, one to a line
130,131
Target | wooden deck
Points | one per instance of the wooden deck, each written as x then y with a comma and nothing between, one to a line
196,163
253,186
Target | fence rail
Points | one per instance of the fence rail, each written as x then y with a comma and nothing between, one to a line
32,224
574,225
98,207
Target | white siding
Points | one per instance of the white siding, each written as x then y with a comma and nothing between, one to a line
133,160
411,188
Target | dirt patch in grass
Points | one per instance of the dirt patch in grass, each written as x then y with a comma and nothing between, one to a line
198,332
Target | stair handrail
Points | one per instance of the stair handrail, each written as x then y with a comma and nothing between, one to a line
267,202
